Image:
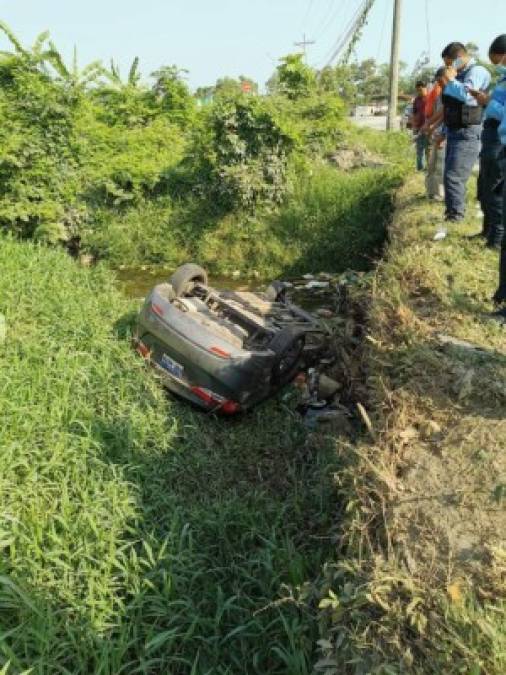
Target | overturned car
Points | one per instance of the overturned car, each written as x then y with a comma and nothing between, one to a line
225,351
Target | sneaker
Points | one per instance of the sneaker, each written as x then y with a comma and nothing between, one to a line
440,234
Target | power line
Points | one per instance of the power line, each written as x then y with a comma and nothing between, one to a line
332,50
308,12
326,16
352,27
339,9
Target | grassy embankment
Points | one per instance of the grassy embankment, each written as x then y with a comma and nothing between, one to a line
421,588
328,220
138,535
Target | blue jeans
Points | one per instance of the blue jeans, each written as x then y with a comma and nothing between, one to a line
422,147
491,176
462,150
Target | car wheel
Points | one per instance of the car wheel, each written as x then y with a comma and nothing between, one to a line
288,346
185,277
276,291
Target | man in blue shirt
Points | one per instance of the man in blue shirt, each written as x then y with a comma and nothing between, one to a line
463,121
491,149
500,64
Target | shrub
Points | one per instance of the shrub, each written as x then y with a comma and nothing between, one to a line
240,153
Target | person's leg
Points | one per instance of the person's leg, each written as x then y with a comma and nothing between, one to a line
420,151
492,178
481,197
439,172
430,178
500,294
426,149
463,147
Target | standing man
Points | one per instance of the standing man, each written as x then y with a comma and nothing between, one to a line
417,122
500,64
491,149
463,122
433,129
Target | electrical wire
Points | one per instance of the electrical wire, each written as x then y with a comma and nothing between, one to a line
349,32
340,37
340,9
306,15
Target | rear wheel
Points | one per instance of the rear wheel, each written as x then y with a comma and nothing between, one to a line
288,346
185,277
276,291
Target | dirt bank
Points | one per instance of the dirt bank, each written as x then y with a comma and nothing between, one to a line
421,586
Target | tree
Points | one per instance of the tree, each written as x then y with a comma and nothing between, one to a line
473,50
296,79
173,93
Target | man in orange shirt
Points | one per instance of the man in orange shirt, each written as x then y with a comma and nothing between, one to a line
434,181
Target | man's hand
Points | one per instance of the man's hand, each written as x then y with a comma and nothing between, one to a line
450,74
439,140
481,96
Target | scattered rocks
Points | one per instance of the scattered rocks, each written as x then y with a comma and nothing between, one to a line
324,313
355,158
86,260
318,284
327,387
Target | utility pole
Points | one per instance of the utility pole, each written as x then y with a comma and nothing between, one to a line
304,44
394,67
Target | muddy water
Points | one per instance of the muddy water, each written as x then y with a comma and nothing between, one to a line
136,283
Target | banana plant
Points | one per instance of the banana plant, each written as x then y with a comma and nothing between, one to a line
44,53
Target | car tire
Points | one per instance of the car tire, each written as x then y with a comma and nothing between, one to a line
185,277
288,346
276,291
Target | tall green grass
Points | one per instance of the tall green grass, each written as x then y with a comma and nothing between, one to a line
136,535
329,221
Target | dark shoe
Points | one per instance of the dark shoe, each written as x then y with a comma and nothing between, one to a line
499,296
499,315
477,235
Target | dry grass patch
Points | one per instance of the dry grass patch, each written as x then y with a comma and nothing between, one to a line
423,585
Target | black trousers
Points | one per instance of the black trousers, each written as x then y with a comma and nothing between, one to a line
490,180
500,295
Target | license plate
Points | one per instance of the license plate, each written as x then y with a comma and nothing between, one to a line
172,367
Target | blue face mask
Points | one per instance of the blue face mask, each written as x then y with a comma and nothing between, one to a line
458,63
501,69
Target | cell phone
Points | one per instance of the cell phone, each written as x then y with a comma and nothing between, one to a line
473,92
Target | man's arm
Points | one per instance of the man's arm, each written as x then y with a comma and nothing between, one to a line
477,78
435,121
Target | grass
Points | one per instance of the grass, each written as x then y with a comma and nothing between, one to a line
137,535
419,585
326,212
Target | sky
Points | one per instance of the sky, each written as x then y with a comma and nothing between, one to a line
214,38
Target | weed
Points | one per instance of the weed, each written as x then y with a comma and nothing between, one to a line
138,535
